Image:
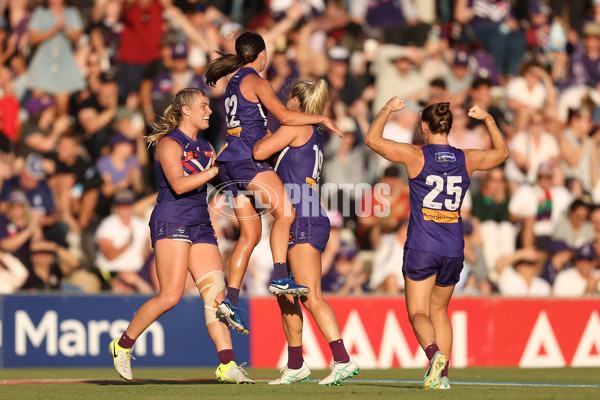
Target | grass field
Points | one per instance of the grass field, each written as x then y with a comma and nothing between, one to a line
173,383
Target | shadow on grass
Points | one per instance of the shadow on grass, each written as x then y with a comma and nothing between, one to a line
139,382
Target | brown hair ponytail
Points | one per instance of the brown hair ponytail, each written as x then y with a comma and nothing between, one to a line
247,48
438,117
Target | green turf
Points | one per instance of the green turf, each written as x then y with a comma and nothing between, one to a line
152,384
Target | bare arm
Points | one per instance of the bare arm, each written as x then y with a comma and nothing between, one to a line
266,95
169,155
272,143
570,154
46,144
17,270
92,121
36,37
403,153
462,12
487,159
109,250
181,21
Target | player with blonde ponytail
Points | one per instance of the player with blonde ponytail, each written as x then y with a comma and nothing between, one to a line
299,152
183,238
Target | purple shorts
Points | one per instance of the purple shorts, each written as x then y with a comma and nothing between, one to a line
236,175
203,233
314,231
420,265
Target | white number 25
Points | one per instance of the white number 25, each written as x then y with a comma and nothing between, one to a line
438,186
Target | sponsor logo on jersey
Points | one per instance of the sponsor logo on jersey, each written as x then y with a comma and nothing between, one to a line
445,156
181,229
208,154
441,217
234,131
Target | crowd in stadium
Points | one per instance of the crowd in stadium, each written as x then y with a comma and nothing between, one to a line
82,82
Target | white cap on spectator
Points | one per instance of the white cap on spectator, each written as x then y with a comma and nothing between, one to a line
347,124
339,53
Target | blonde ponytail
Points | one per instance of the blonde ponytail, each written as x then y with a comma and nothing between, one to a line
312,96
172,116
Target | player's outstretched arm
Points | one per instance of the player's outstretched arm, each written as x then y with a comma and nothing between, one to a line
487,159
388,149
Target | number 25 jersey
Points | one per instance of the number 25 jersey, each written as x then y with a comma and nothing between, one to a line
436,195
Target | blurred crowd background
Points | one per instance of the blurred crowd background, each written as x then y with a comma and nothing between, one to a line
81,81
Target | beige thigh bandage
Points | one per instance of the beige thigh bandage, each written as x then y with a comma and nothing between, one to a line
209,286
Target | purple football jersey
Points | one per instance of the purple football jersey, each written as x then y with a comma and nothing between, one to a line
300,169
436,196
246,120
190,208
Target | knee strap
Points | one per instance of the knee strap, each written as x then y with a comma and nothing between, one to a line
210,286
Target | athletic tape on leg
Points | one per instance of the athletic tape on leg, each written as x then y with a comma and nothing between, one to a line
209,286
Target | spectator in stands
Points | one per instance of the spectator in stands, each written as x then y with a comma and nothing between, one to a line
13,273
490,211
54,28
532,90
529,149
459,79
41,131
9,104
464,137
346,275
493,23
585,60
119,170
474,277
50,266
386,271
18,226
581,280
481,94
96,114
140,40
124,244
390,193
78,184
559,259
578,150
396,75
32,181
574,228
595,220
518,275
178,76
342,86
538,208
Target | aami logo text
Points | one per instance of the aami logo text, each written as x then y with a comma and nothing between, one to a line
71,338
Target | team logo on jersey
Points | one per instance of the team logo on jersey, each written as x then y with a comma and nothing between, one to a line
311,183
445,156
191,155
208,154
